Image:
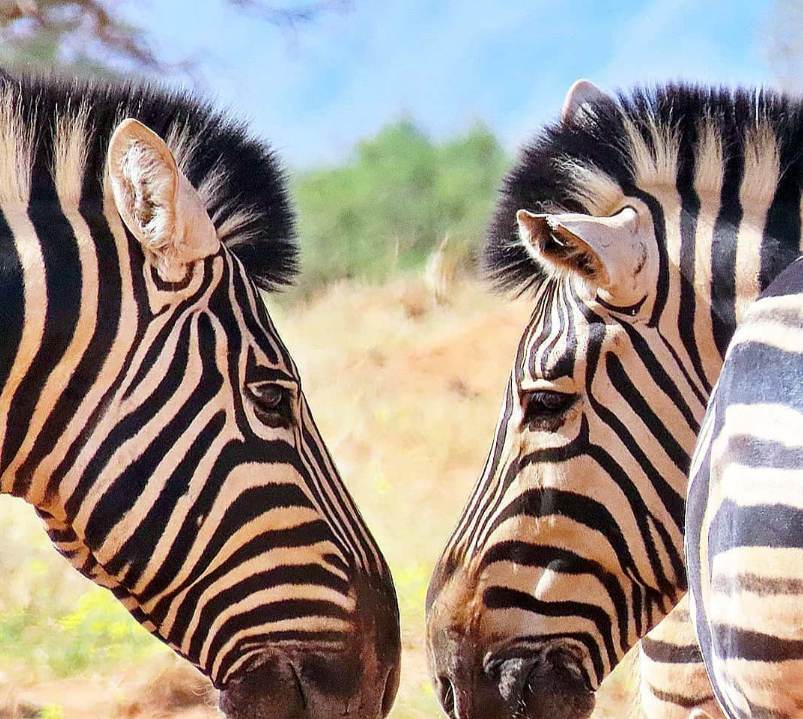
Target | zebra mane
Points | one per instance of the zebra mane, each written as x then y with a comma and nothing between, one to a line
676,135
62,127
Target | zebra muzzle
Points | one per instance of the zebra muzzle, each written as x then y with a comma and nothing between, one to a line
529,683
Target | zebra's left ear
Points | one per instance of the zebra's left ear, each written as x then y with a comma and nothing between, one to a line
607,252
157,203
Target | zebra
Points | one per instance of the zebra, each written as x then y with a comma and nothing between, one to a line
743,515
643,226
673,679
150,412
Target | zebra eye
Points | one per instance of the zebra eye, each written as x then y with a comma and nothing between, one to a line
272,404
544,409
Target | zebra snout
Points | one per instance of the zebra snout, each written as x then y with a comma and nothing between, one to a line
548,683
358,680
270,691
526,684
310,687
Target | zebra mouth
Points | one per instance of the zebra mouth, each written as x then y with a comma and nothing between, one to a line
545,680
266,691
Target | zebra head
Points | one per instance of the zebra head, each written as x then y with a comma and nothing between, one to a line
643,226
152,414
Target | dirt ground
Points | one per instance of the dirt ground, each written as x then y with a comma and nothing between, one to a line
406,393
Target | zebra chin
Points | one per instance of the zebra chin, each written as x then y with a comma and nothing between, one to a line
544,681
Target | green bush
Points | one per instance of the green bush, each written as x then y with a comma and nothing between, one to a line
394,202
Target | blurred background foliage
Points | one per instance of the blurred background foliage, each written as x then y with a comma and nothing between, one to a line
395,201
399,196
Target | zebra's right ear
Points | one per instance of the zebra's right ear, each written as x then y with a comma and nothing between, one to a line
609,253
156,202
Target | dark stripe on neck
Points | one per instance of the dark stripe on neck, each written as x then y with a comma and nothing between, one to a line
63,277
780,243
689,212
723,254
659,228
12,300
86,372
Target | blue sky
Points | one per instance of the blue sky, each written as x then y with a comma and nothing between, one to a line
317,90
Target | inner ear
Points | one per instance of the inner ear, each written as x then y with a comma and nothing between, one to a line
157,203
582,94
558,248
563,248
154,198
610,252
145,182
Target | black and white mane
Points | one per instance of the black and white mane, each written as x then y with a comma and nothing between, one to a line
672,134
239,177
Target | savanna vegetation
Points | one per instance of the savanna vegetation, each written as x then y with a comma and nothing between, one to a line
396,200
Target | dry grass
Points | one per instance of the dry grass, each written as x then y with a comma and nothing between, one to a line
406,392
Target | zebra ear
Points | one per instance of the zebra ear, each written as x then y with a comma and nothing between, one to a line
157,203
582,95
607,252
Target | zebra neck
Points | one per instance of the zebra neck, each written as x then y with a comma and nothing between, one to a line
67,290
727,250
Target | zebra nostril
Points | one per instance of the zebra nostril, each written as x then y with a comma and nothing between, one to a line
446,695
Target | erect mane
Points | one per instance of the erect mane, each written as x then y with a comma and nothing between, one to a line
675,135
239,178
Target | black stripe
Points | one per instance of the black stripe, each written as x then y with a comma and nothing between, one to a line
780,243
760,585
85,375
136,262
506,598
63,277
723,251
136,552
565,562
201,578
644,411
292,575
734,643
689,213
763,525
668,653
271,613
681,700
12,300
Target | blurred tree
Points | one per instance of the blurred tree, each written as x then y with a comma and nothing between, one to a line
394,201
94,36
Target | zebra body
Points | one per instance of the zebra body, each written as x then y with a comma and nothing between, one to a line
643,226
150,412
744,513
673,678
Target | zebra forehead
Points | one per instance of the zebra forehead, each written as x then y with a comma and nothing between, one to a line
645,139
64,126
